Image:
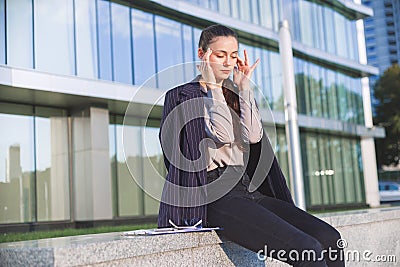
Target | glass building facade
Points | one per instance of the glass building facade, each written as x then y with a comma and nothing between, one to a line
126,43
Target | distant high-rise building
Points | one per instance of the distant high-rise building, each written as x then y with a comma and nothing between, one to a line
382,35
14,170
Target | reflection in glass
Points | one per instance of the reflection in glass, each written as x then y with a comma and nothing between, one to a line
104,39
142,152
153,166
188,52
282,153
19,33
276,85
54,36
143,47
114,162
312,169
52,168
348,171
337,164
17,188
86,39
331,89
332,169
121,43
130,196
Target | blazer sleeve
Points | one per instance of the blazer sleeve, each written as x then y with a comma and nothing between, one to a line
170,101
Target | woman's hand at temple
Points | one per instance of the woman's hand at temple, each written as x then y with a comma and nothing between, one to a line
206,70
242,73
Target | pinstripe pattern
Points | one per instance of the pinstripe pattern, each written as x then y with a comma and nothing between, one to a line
189,140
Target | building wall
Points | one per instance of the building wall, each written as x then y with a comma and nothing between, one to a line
118,44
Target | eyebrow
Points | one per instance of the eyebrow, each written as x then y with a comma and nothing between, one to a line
224,51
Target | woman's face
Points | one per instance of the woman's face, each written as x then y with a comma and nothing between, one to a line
223,57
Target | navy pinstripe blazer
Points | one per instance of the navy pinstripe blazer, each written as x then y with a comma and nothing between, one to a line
188,140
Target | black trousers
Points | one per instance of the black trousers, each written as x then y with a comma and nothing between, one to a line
267,225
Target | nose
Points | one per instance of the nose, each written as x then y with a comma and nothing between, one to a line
227,61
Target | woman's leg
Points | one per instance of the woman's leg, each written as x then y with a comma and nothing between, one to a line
255,227
327,235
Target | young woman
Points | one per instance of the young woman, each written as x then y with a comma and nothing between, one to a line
214,124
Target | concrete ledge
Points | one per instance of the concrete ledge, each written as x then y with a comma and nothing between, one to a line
375,230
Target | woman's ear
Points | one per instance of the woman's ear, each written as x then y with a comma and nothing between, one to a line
200,52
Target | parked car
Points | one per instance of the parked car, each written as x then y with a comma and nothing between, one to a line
389,191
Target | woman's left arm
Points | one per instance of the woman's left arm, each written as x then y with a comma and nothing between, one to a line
250,118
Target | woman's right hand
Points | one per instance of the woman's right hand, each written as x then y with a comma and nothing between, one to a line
206,70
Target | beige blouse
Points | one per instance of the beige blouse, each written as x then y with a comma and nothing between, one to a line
223,150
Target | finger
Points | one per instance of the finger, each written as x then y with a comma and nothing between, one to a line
246,58
240,61
255,65
208,54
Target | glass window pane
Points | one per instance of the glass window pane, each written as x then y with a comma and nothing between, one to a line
306,24
349,171
325,173
276,78
86,38
143,47
315,91
255,16
357,165
311,168
104,35
329,30
113,162
2,33
342,97
54,36
282,153
266,16
213,4
130,196
340,36
244,10
276,9
121,42
224,7
331,78
19,33
17,188
52,168
338,175
169,51
189,52
235,8
266,87
153,166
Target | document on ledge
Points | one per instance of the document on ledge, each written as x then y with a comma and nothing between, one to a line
169,230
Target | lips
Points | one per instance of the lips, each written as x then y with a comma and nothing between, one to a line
226,71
